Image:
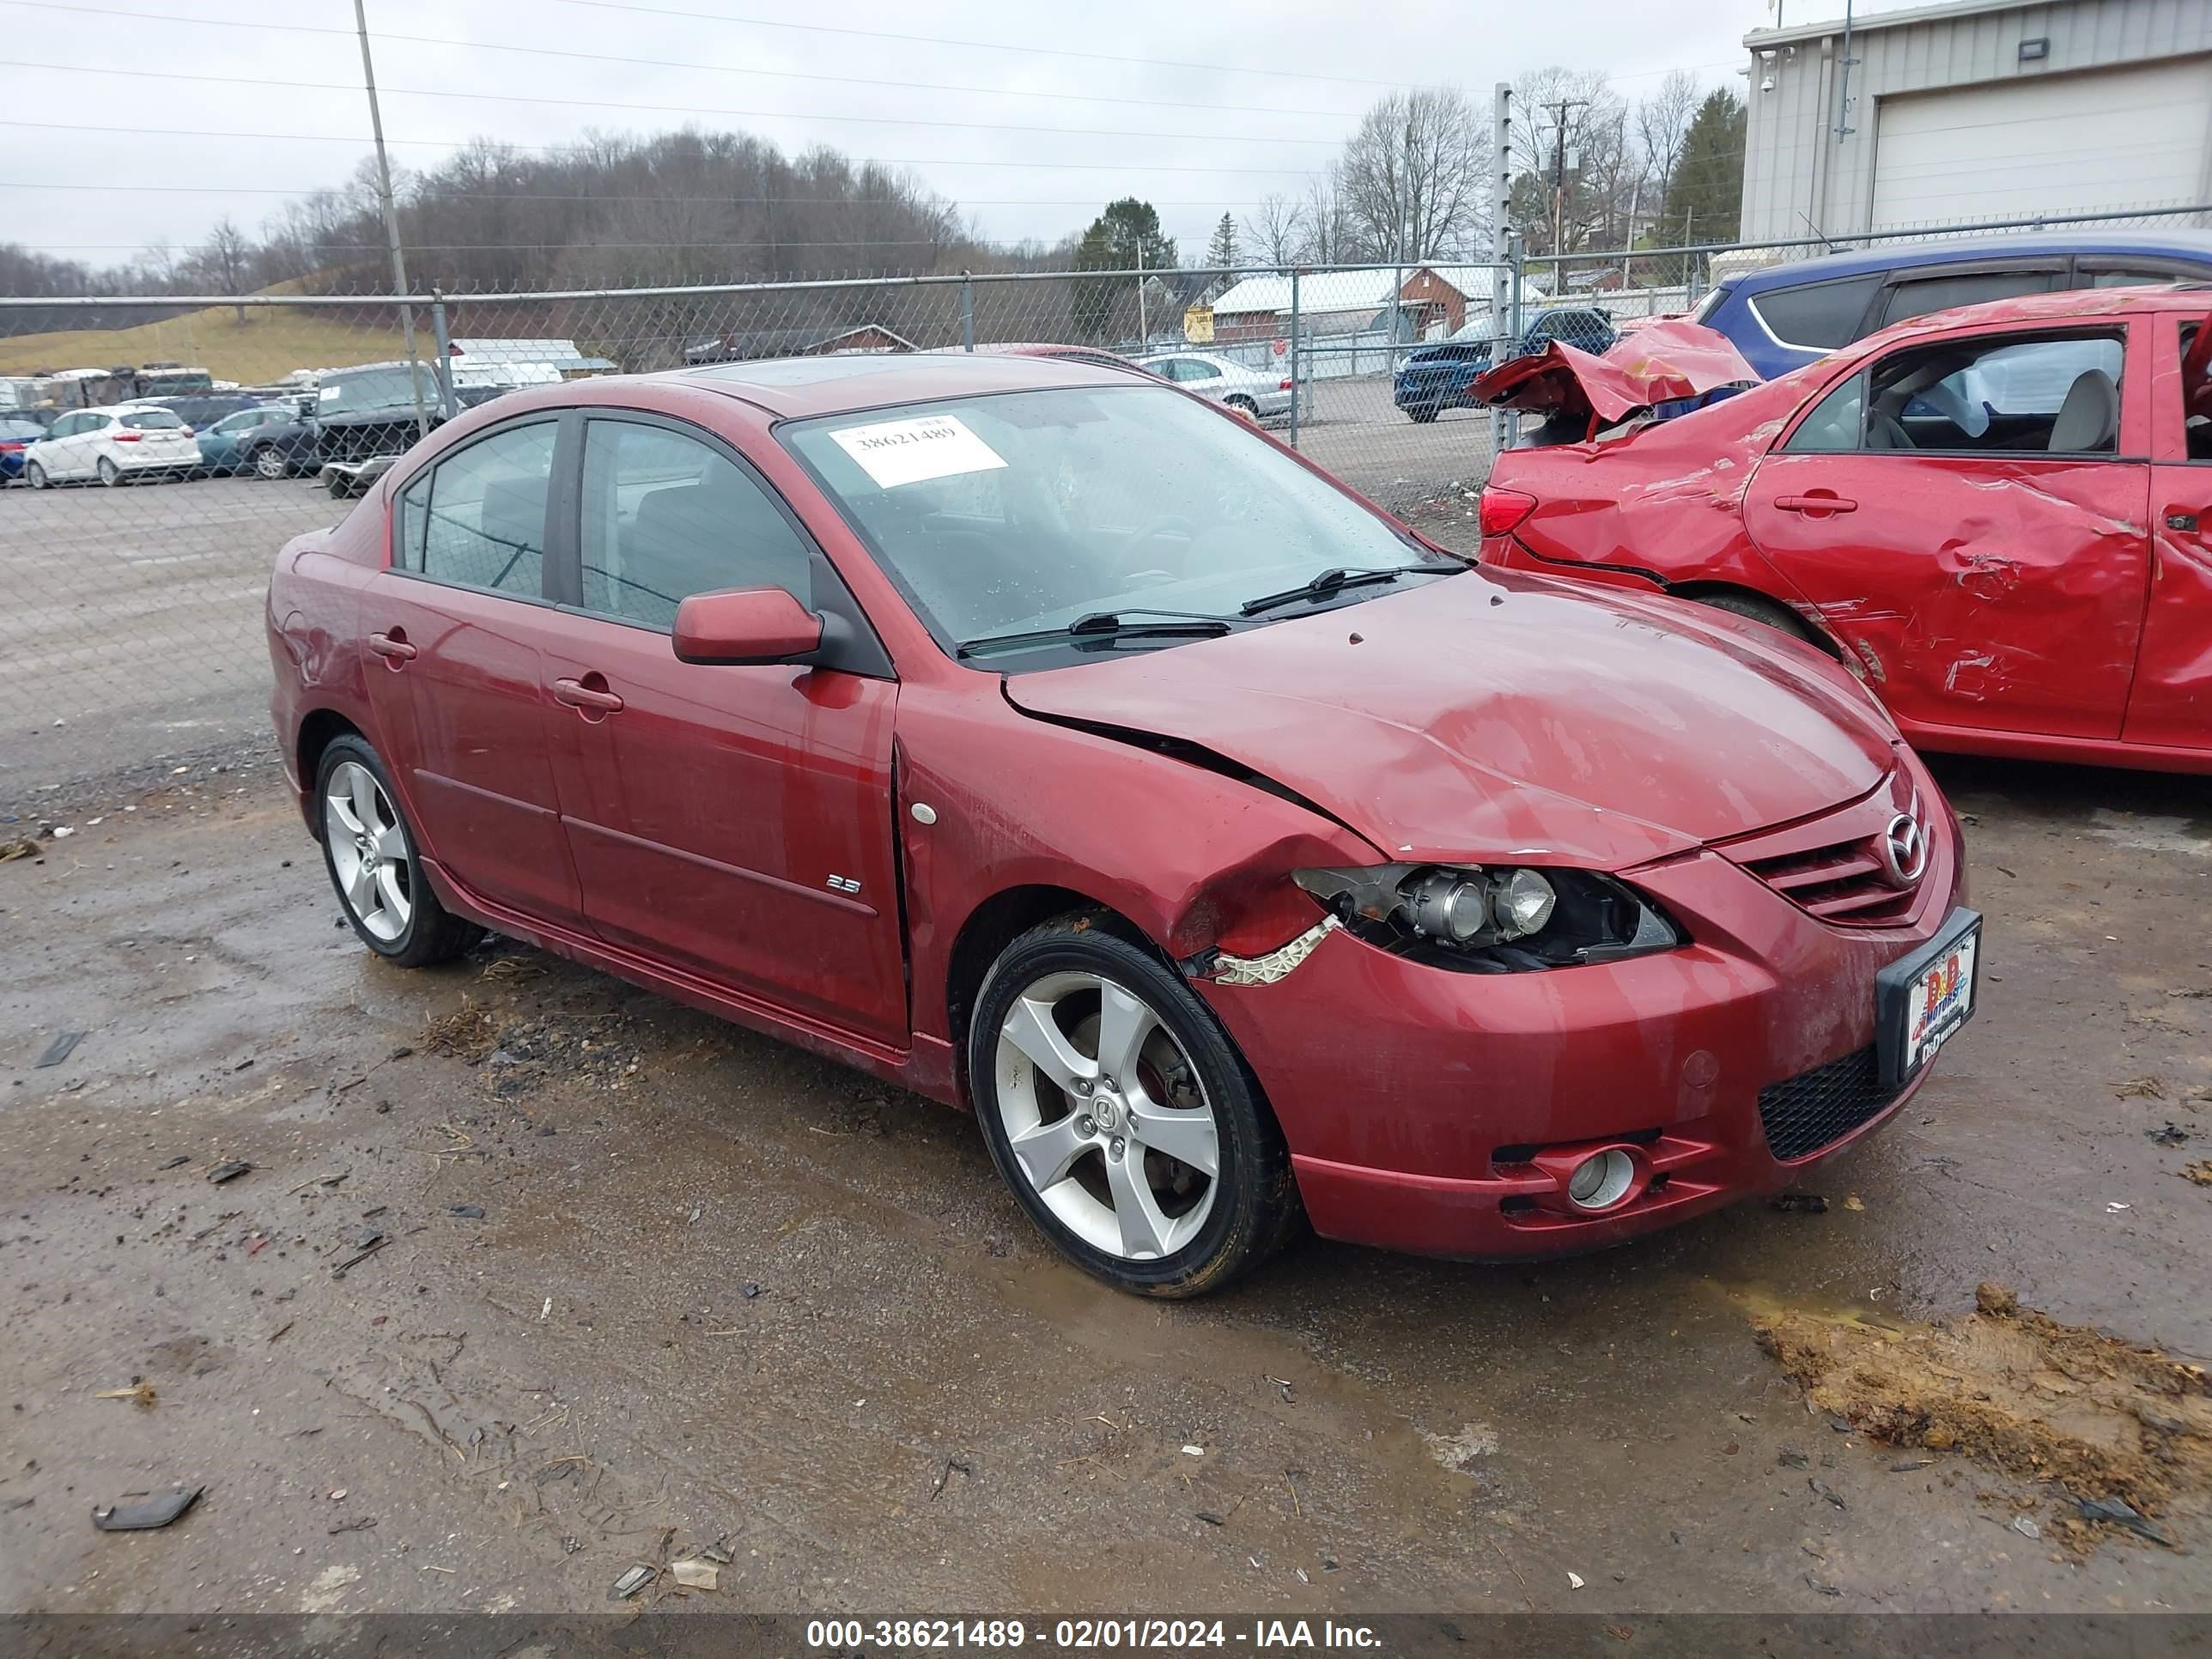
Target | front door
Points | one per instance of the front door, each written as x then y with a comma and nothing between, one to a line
67,451
734,821
1967,517
2172,702
455,625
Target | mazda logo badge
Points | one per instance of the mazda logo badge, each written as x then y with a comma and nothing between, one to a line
1904,851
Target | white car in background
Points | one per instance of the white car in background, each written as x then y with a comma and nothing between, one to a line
1225,381
128,440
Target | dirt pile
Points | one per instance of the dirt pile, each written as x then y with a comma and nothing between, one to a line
2015,1389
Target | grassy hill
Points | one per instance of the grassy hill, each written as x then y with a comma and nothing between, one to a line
262,349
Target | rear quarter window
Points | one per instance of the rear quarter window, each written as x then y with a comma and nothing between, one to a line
1817,316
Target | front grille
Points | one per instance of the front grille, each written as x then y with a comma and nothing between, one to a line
1831,865
1814,1108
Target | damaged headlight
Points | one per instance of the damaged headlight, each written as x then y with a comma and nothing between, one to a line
1492,920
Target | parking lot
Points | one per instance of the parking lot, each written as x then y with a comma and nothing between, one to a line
651,1282
136,614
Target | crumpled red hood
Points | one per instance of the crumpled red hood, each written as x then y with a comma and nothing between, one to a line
1662,363
1489,714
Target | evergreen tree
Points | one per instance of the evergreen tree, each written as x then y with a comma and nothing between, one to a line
1705,198
1221,251
1125,237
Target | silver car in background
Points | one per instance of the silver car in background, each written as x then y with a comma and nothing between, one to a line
1220,380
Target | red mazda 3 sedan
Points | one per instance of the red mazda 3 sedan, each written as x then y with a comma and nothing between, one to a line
1030,733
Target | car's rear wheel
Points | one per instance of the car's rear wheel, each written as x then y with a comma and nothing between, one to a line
1422,414
370,853
1775,616
1118,1112
1244,406
269,462
110,474
35,476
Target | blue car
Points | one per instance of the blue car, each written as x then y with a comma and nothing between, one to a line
1435,378
1787,315
16,435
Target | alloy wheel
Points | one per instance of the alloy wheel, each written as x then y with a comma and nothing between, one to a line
368,851
110,474
268,462
35,476
1107,1118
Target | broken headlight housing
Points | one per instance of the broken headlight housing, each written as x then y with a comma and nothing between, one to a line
1492,919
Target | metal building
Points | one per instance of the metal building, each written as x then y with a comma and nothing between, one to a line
1980,110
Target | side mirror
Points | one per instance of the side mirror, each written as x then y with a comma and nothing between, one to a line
745,625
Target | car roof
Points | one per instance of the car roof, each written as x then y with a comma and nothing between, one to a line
795,388
1863,262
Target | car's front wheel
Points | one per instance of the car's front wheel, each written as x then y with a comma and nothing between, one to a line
269,462
35,476
370,853
1118,1112
110,474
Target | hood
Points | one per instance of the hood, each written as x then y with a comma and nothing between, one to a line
1666,362
1492,715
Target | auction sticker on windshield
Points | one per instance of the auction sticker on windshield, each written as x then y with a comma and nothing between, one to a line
916,450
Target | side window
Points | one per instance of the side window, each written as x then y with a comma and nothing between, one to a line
1818,316
1197,371
410,519
1918,298
483,521
1834,424
1172,369
2004,394
2196,387
667,516
2120,276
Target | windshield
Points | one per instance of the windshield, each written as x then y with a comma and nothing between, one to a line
1031,510
374,388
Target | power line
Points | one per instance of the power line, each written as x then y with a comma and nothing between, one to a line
683,109
677,63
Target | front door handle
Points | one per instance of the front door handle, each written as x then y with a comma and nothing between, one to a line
1818,501
577,694
392,645
2185,521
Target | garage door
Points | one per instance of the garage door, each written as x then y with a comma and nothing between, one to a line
2080,144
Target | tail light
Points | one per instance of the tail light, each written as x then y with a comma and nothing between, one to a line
12,446
186,433
1502,509
125,437
1285,386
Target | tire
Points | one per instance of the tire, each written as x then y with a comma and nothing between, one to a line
1243,406
269,462
35,476
1422,414
1173,1231
110,474
395,915
1776,615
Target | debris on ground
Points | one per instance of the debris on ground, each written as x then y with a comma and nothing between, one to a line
2139,1088
696,1575
58,1050
229,1171
18,846
634,1581
2118,1512
1911,1464
359,1523
1798,1204
2015,1389
466,1212
466,1033
1822,1489
176,1163
148,1513
2199,1173
140,1394
1574,1581
2172,1135
2026,1527
365,1243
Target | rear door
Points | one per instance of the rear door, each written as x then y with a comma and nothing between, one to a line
2171,702
733,821
1968,517
455,623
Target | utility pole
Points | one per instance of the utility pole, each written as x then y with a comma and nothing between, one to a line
1144,328
1502,284
391,221
1843,127
1559,109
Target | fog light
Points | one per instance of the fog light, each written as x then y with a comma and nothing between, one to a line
1601,1180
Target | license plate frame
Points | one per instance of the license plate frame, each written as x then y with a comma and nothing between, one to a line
1905,1039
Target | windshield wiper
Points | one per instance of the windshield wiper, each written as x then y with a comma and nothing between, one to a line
1109,625
1334,581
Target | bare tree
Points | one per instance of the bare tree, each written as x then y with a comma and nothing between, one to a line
1570,175
1328,237
224,261
1662,124
1413,178
1276,230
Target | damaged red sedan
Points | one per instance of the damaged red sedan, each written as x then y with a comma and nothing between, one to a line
2001,516
1033,735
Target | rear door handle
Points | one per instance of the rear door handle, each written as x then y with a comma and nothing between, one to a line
577,694
1815,502
392,645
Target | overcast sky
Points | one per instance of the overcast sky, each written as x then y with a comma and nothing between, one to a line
1154,120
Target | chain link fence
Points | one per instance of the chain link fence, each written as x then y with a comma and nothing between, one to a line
155,451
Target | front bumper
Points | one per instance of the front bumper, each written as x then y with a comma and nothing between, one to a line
1414,1098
